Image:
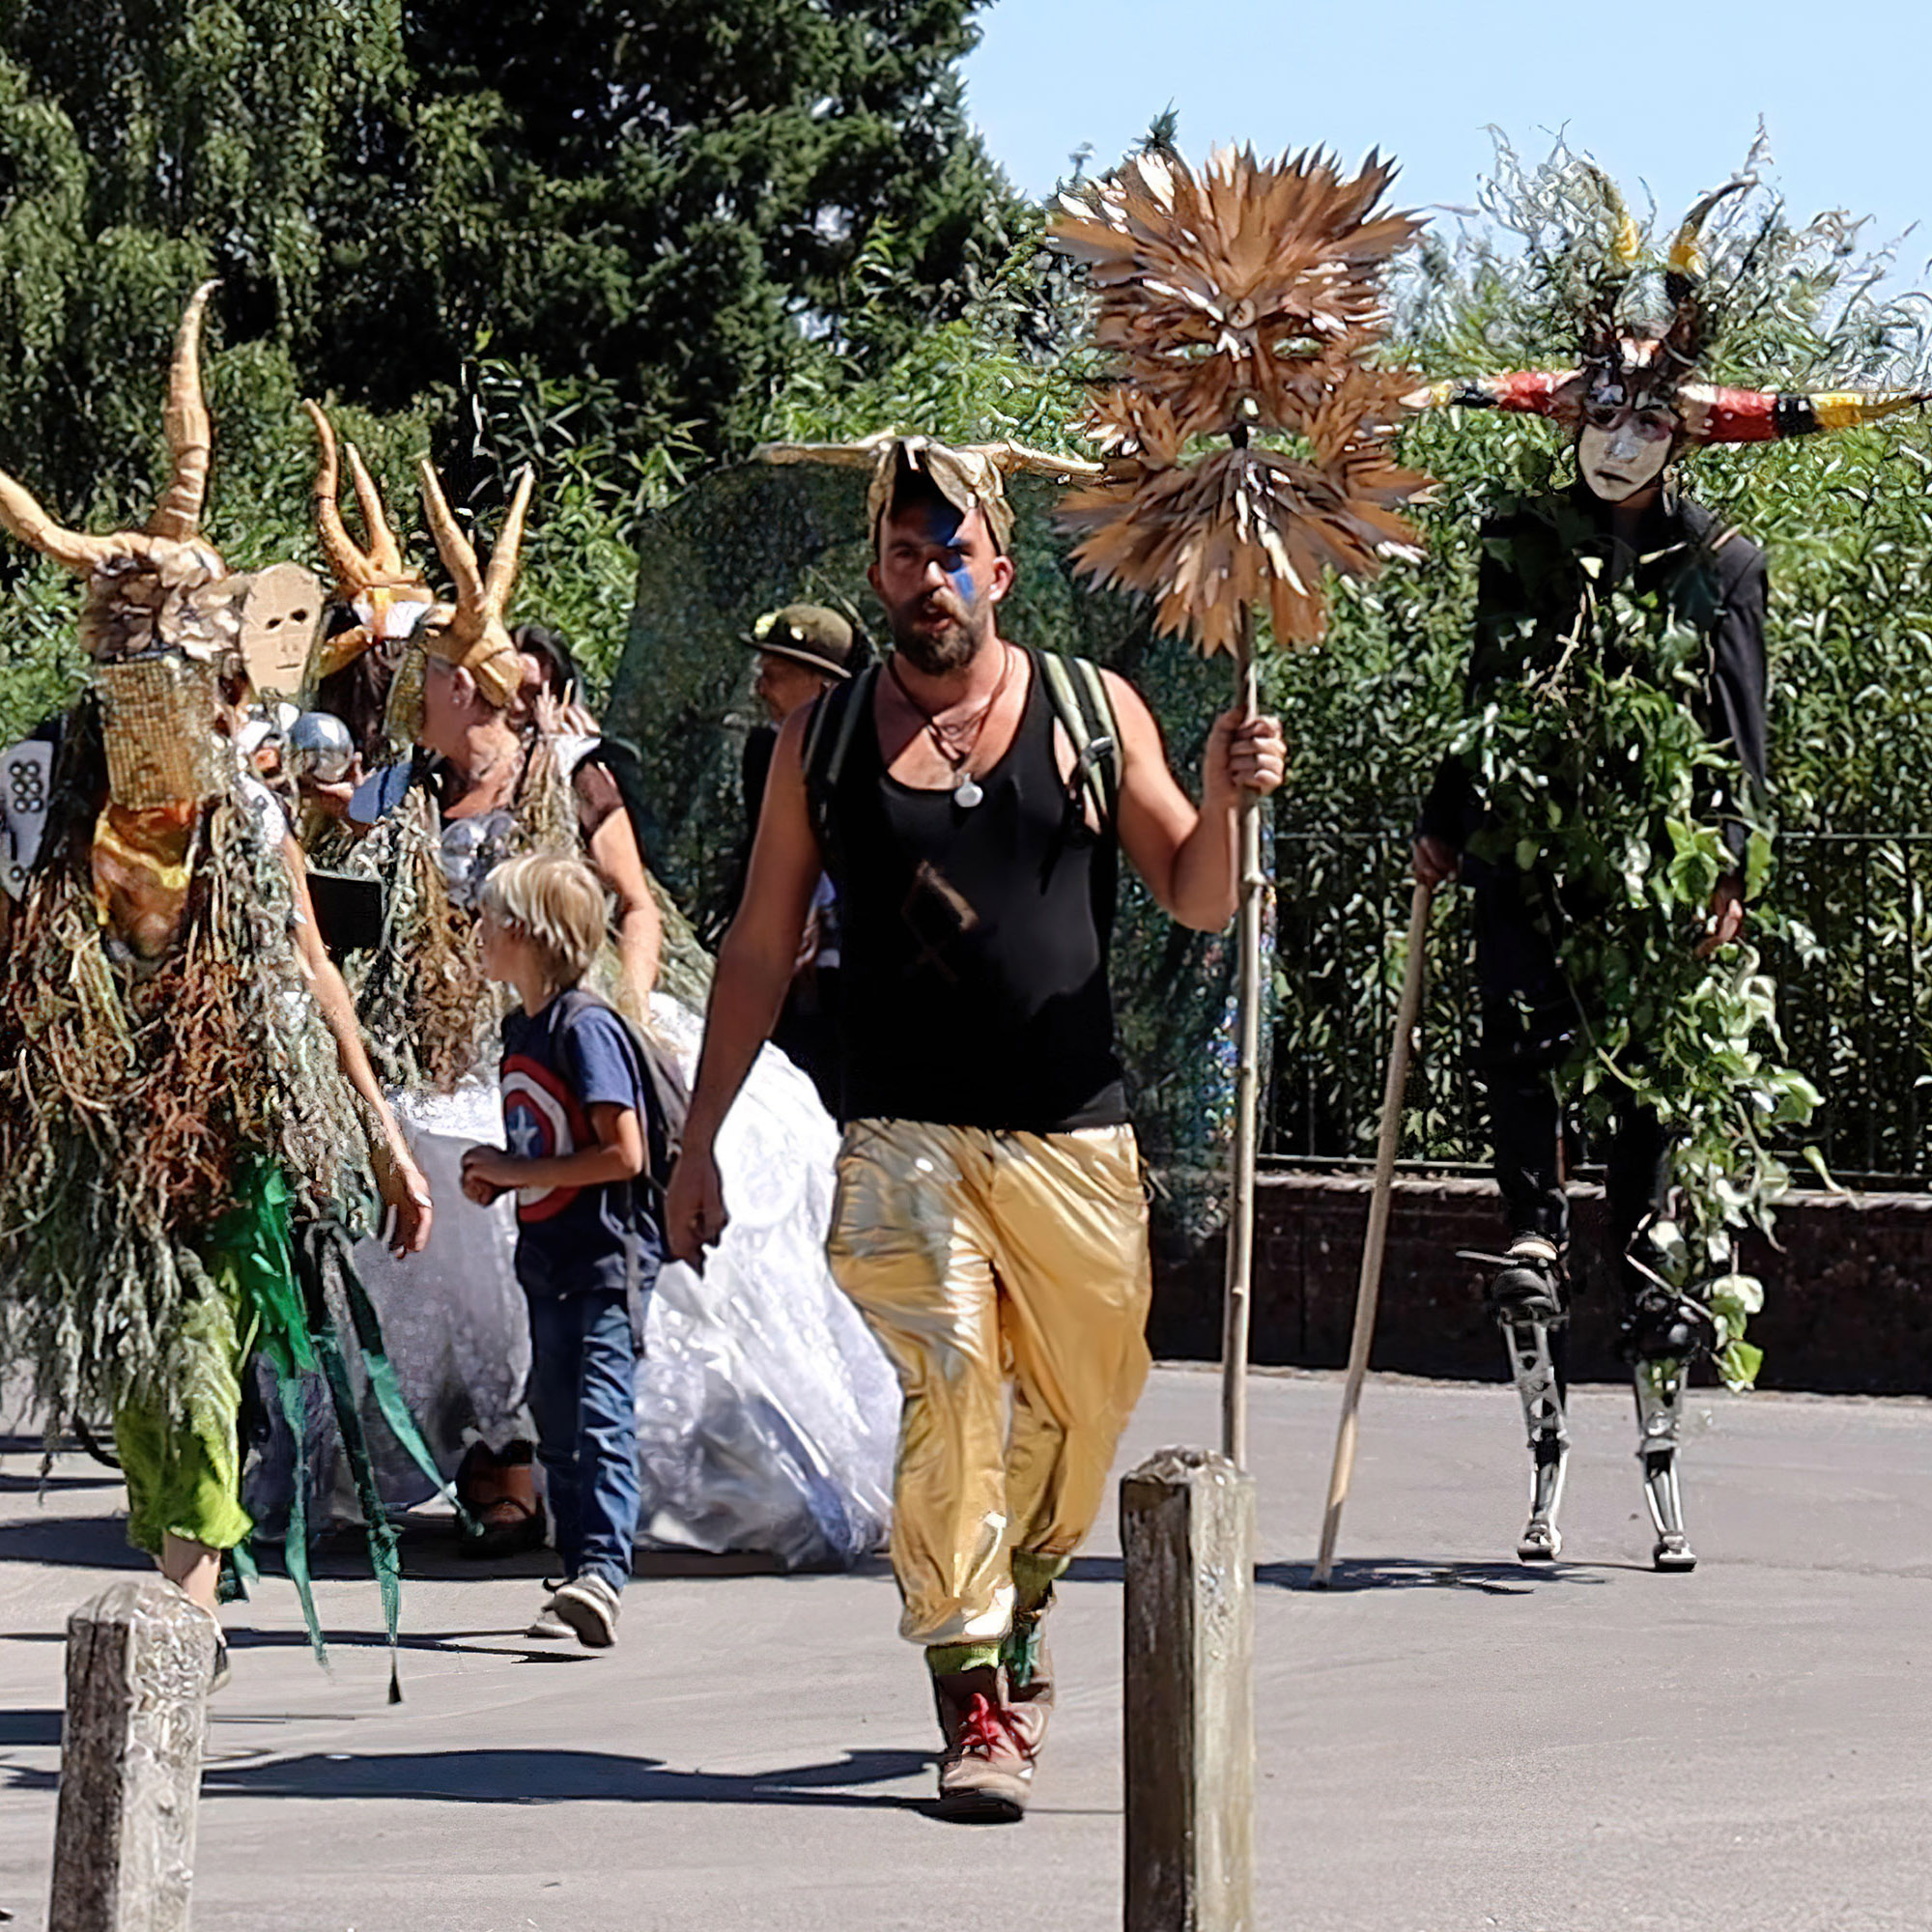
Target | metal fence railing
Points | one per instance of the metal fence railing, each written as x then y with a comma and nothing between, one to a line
1855,1002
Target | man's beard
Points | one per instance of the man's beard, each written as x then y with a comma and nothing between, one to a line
938,652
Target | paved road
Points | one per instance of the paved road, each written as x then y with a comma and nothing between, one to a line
1448,1741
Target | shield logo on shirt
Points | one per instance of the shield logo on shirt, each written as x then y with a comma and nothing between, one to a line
541,1118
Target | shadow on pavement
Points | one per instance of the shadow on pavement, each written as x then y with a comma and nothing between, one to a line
1387,1573
1402,1573
74,1541
30,1730
547,1778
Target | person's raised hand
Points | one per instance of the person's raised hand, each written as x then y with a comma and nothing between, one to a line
1434,859
1725,919
695,1215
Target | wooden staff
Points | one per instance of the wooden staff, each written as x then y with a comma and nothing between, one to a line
1237,1301
1369,1290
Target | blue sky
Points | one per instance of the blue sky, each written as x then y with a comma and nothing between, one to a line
1666,96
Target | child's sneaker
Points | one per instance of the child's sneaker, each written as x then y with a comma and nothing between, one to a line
588,1606
548,1622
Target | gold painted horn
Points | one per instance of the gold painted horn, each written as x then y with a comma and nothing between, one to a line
384,553
1625,238
21,514
473,636
189,434
1687,248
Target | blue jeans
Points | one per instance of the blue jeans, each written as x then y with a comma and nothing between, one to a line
584,1362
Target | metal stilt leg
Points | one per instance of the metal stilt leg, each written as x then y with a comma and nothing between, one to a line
1660,1412
1533,1367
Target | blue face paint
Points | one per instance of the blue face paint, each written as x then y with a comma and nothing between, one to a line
961,576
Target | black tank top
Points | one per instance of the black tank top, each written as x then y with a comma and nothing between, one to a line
975,942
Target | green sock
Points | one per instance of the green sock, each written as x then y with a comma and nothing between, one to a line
1034,1578
944,1660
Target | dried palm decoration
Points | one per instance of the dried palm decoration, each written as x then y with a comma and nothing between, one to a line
971,477
377,583
471,635
157,588
1243,301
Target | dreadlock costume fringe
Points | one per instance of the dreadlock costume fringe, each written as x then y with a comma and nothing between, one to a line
182,1162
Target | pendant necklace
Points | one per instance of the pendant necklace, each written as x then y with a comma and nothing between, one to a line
966,791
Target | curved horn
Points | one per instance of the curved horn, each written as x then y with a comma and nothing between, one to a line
184,421
1766,415
1687,248
24,516
350,567
453,547
1530,392
385,554
502,577
1625,236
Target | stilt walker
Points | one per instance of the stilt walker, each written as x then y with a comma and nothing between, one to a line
1591,841
1237,304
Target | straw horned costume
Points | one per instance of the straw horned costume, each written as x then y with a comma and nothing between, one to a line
183,1159
1621,576
764,1409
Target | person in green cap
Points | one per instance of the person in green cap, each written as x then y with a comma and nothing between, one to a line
803,650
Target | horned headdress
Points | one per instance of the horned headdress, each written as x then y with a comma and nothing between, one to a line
387,595
148,589
473,635
971,477
1627,363
1245,302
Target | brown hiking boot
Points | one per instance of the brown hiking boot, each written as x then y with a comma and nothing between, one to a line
1030,1683
986,1770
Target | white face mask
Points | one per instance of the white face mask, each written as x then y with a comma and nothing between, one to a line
1624,455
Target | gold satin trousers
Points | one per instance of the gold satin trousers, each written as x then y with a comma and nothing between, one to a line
1006,1276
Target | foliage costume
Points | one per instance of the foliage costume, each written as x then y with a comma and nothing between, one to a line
765,1415
182,1161
1609,779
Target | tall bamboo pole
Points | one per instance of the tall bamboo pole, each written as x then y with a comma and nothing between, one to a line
1368,1291
1237,1301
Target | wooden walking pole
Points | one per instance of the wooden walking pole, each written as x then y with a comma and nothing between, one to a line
1236,1299
1369,1288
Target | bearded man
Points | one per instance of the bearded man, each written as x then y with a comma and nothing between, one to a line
990,1222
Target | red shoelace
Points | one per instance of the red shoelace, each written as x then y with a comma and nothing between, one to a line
987,1730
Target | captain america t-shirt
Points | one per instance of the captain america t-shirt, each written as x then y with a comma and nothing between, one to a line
558,1064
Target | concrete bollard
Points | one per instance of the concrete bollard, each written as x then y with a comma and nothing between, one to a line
1187,1531
140,1658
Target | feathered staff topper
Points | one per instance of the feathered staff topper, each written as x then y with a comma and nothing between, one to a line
1246,301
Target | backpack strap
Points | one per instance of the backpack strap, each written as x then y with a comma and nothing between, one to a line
829,732
1078,695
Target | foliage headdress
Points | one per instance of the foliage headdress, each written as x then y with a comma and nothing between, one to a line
971,477
471,635
1632,358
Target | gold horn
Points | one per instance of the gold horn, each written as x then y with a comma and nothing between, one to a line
350,567
454,548
190,436
1625,236
1687,249
384,553
502,578
24,516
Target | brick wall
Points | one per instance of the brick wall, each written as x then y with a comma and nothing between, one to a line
1848,1296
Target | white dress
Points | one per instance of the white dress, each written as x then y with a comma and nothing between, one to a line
767,1415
